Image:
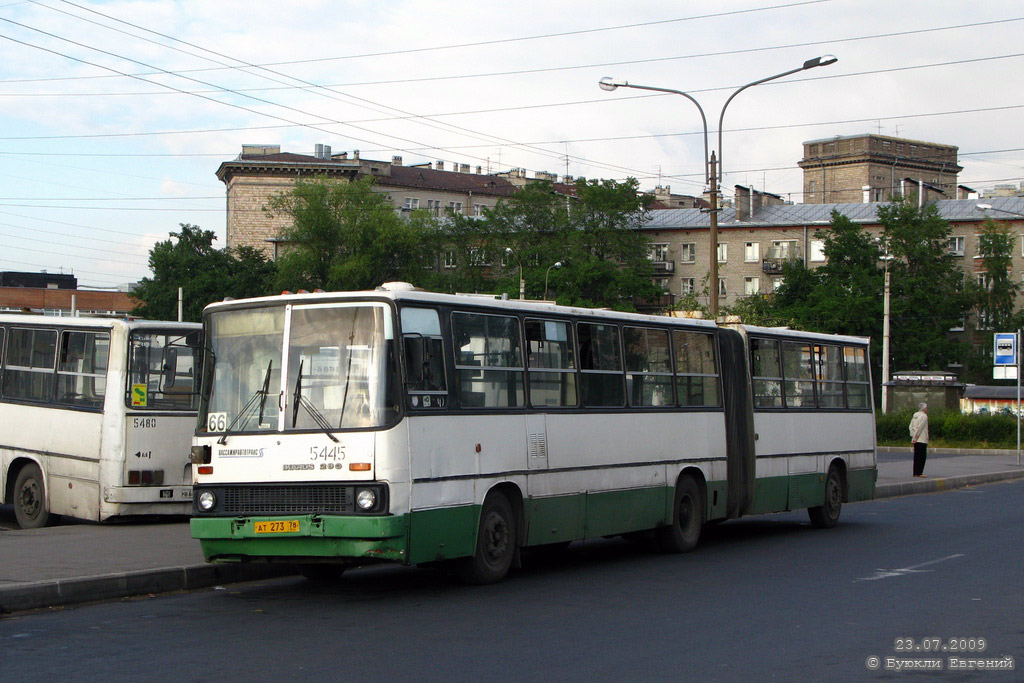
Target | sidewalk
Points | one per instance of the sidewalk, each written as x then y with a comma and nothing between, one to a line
81,562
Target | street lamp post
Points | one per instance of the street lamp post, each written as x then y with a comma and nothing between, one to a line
556,264
522,281
713,167
988,207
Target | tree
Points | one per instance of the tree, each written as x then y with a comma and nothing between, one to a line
843,296
995,295
190,261
594,234
927,294
347,236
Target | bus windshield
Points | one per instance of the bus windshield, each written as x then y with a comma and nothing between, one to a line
163,371
319,367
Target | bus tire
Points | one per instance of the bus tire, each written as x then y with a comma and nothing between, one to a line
30,499
320,571
682,534
495,543
827,516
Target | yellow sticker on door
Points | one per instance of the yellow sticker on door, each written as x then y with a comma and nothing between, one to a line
140,395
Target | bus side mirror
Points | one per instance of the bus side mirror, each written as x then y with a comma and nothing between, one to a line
170,368
415,354
194,340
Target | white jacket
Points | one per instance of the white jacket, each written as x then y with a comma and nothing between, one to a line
919,427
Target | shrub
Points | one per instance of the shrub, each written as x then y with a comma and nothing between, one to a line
951,429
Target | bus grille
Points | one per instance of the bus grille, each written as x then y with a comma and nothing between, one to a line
258,500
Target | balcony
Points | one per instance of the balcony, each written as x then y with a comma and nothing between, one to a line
663,266
778,256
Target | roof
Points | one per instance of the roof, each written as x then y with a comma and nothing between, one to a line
418,177
814,215
985,392
426,178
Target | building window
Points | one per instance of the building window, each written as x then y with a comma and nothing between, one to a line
688,252
722,290
478,209
956,245
984,282
783,250
751,252
723,252
448,260
659,253
686,286
751,285
434,206
662,284
411,203
817,251
455,207
478,257
776,283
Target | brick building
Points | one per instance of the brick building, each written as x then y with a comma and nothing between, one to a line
873,168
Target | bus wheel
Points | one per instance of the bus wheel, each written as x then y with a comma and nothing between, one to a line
495,543
30,499
682,534
827,516
315,571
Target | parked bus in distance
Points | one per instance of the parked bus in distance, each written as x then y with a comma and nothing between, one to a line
96,416
344,428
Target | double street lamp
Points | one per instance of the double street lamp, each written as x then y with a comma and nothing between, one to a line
713,167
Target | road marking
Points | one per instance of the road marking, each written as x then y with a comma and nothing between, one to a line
915,569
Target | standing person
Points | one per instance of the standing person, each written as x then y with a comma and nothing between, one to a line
919,437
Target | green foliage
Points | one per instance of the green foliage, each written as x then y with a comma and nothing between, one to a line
346,236
843,296
594,235
927,293
950,429
189,260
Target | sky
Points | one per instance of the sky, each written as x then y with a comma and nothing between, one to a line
114,116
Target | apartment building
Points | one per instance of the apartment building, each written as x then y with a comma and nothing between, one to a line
754,244
262,171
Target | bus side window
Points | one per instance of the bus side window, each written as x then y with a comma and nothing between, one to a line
82,371
601,378
424,350
766,369
29,364
857,387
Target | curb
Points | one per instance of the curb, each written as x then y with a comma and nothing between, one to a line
951,451
62,592
908,488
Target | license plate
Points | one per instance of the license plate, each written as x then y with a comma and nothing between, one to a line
284,526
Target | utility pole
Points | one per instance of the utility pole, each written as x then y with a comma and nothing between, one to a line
713,238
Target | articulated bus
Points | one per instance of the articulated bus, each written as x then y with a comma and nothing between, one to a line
343,428
96,417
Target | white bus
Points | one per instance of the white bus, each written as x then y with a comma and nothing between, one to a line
96,417
402,425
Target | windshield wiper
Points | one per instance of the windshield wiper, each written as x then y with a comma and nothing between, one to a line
249,406
299,400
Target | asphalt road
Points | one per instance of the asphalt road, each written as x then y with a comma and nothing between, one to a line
763,598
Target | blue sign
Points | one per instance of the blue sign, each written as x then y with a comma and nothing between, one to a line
1005,348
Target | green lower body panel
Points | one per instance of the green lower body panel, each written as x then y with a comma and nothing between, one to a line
860,484
799,491
235,539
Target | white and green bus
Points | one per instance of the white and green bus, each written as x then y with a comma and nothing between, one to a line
413,427
96,417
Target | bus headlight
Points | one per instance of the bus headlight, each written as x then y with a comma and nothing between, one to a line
366,499
206,501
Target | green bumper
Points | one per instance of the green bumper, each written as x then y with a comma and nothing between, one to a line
234,539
